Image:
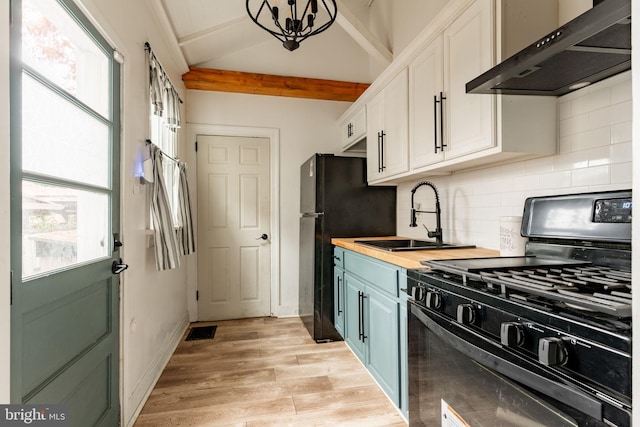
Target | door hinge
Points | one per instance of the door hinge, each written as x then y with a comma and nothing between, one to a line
197,295
196,145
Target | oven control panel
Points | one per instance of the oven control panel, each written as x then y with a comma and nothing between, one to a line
612,210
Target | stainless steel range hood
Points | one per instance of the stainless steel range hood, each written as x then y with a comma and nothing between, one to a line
590,48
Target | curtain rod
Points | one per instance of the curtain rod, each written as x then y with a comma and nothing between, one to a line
147,47
165,155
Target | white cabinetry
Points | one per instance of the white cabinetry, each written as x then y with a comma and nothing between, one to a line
387,130
354,130
425,108
452,130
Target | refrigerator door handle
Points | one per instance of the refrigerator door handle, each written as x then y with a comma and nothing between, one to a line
312,215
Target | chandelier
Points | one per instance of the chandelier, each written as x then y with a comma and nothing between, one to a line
297,23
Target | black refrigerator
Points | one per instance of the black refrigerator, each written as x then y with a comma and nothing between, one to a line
335,201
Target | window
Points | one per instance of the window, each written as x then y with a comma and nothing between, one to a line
67,140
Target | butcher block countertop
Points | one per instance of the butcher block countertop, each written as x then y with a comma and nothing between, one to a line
410,259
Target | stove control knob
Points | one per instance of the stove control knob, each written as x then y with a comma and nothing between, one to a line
466,314
433,300
418,292
552,351
511,334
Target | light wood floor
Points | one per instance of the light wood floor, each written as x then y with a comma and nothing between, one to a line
266,372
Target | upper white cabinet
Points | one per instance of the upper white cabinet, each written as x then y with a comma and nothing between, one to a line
452,130
421,121
354,129
426,110
387,130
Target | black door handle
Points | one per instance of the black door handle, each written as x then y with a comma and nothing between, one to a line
263,237
118,267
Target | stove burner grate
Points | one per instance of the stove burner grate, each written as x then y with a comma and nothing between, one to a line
594,288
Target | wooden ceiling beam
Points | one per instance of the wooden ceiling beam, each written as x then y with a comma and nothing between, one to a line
269,84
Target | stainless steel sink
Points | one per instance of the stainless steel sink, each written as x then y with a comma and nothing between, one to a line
394,245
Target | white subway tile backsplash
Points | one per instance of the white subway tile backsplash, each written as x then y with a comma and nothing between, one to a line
573,125
600,118
570,161
565,143
594,154
565,110
591,176
621,92
592,101
621,153
621,112
621,173
538,166
556,180
591,139
599,156
621,132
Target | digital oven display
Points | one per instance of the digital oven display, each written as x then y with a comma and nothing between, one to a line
612,210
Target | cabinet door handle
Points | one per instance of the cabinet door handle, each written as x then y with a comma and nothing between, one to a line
338,292
379,153
382,166
364,336
435,123
360,316
442,98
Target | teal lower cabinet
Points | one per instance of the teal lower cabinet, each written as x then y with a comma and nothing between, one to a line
374,326
355,334
383,336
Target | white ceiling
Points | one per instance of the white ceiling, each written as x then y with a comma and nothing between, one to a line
219,34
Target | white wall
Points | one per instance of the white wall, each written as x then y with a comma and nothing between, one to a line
5,308
594,154
306,127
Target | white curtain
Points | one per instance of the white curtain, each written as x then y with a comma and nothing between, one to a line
166,244
186,238
164,98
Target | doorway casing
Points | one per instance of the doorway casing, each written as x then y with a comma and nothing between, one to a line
273,134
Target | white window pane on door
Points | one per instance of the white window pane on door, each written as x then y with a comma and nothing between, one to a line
62,227
60,139
56,47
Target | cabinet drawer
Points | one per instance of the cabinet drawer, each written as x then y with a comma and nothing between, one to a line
380,274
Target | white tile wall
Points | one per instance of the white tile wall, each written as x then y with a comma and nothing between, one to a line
594,154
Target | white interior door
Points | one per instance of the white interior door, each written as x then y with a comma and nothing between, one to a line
234,251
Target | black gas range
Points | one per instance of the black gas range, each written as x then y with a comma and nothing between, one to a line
556,323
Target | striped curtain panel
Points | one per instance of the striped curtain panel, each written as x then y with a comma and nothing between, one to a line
186,239
166,244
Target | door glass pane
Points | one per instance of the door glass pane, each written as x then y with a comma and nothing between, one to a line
60,139
62,227
55,46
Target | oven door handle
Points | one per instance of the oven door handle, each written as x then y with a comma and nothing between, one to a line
568,395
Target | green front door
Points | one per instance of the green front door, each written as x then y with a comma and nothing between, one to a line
65,128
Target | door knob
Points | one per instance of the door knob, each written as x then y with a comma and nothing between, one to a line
263,237
118,267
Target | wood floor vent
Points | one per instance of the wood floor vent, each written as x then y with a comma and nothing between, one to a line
201,333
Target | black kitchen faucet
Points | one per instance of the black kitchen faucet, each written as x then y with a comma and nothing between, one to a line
438,232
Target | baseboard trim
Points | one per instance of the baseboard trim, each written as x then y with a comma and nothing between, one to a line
159,365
